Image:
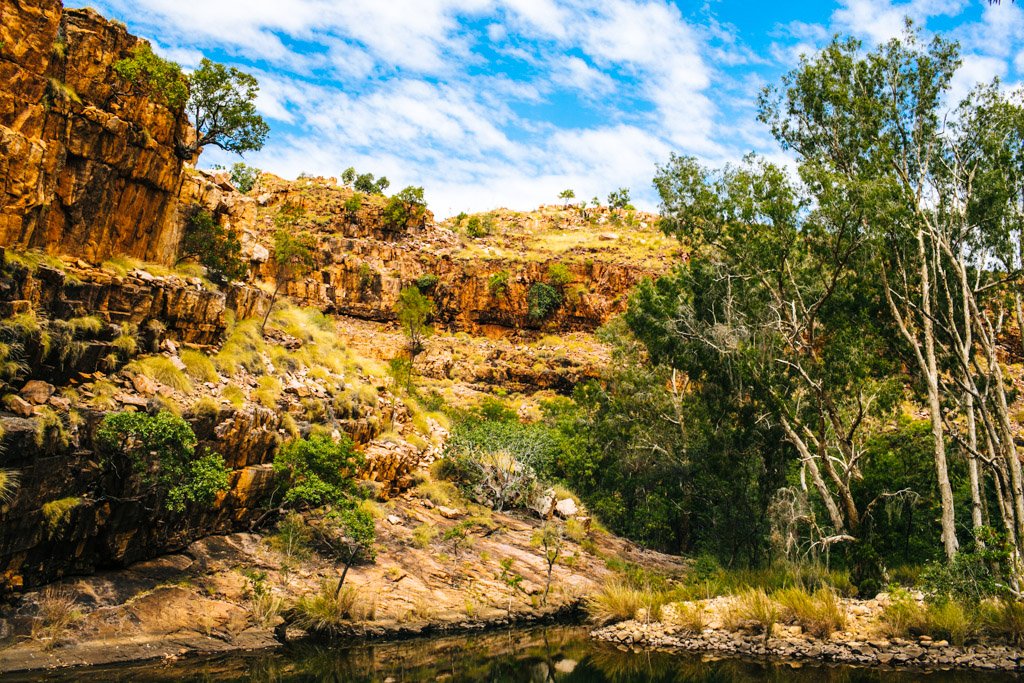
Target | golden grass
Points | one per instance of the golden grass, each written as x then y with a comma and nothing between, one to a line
326,612
56,613
819,614
198,366
162,370
617,600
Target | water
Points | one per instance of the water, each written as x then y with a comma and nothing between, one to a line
562,654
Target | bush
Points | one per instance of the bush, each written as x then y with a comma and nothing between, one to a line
198,365
971,576
243,176
426,282
542,300
163,370
56,612
213,245
497,284
318,470
476,228
754,607
559,275
353,204
155,455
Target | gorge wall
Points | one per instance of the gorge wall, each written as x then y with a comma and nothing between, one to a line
85,168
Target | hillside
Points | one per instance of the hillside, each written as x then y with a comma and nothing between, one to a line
100,320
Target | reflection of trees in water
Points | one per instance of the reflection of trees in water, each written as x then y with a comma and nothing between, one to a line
552,655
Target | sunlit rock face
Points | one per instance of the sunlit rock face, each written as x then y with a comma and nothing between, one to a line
85,168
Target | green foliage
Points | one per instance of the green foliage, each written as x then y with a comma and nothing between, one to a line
971,576
213,245
222,109
348,176
404,207
497,284
163,370
559,275
619,199
156,455
413,310
153,76
318,470
542,301
198,365
477,227
425,282
366,184
352,204
244,177
567,195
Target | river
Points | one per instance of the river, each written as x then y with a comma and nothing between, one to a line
563,654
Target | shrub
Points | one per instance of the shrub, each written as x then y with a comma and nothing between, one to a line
902,614
755,607
8,484
559,275
1005,619
476,228
950,620
352,205
328,612
213,245
969,577
423,535
618,601
425,282
155,455
497,284
542,300
243,176
56,512
51,432
318,470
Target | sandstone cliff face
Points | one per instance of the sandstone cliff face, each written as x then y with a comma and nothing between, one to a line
364,263
84,169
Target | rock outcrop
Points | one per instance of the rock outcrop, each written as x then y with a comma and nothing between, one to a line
85,168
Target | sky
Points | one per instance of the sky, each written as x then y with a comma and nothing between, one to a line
505,103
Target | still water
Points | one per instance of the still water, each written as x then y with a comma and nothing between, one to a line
539,655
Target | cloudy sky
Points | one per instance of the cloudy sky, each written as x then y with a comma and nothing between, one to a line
489,103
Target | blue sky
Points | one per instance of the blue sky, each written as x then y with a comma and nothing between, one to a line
489,103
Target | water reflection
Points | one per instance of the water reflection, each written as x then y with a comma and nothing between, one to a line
561,654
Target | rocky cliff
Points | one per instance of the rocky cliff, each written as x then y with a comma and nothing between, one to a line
86,168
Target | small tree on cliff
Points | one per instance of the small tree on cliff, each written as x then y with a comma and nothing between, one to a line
413,309
222,108
216,247
295,256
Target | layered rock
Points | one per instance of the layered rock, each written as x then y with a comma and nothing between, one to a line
86,168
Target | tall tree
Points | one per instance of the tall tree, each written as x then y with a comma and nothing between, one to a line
875,138
222,109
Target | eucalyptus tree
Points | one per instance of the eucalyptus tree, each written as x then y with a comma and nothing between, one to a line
773,306
876,138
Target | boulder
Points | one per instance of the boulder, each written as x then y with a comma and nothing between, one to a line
566,508
17,405
37,392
